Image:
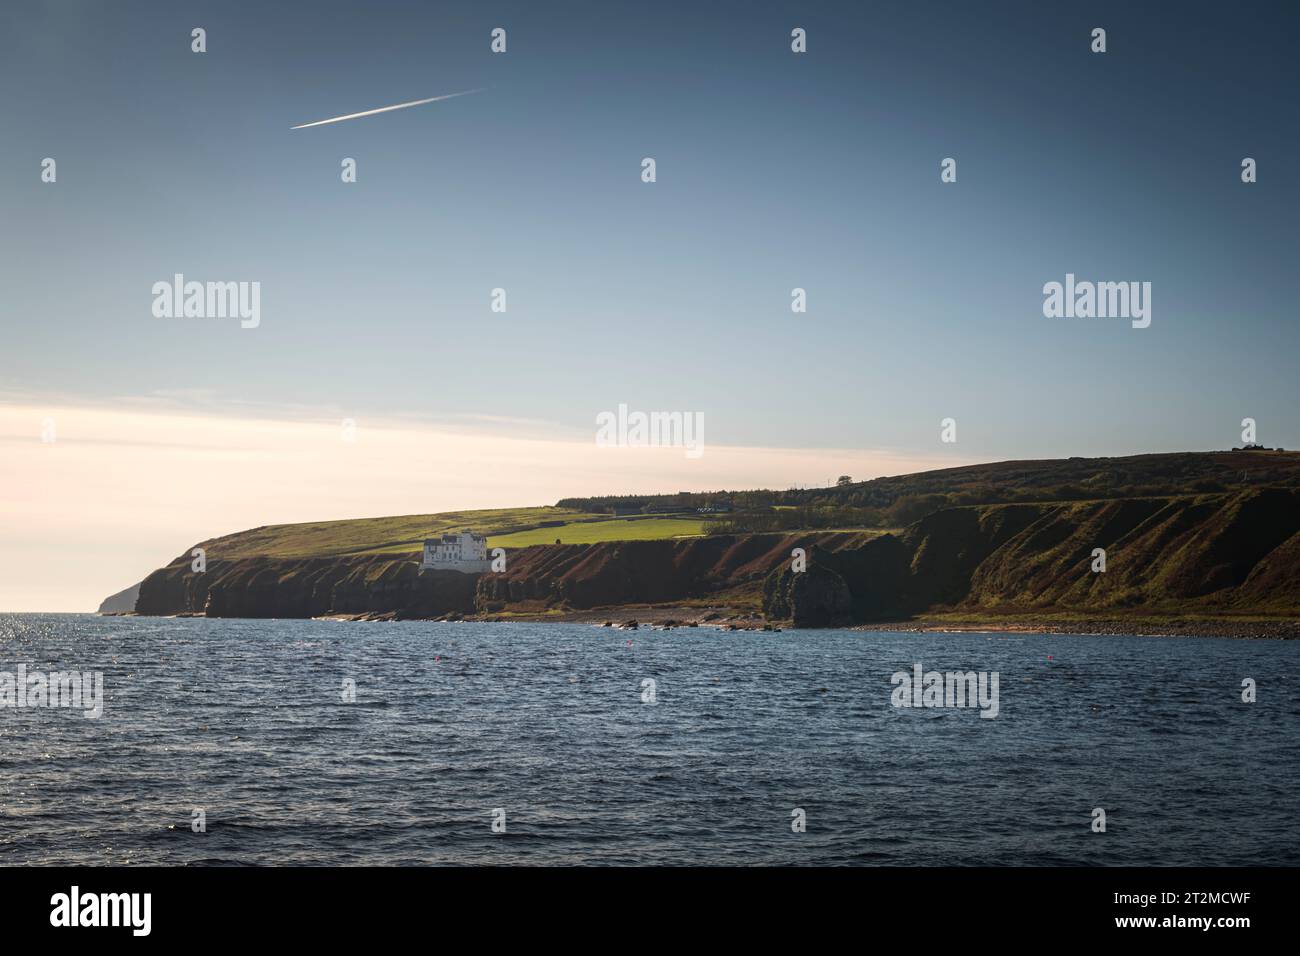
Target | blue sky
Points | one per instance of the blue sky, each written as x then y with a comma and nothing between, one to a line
775,170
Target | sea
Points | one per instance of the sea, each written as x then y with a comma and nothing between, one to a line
271,742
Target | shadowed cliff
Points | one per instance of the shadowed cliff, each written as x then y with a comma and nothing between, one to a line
579,576
277,587
1184,534
1212,554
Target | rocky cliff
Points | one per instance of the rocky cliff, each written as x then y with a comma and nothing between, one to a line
277,587
1233,553
570,576
580,576
648,572
123,602
1213,554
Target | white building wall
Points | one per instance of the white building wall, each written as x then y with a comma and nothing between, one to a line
464,551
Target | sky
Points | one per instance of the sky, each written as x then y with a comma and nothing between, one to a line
774,171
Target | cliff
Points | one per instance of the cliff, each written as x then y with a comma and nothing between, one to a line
578,576
1226,554
279,587
1186,535
123,602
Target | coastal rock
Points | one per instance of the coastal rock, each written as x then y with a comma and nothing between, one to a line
123,602
1233,555
261,588
1224,554
816,597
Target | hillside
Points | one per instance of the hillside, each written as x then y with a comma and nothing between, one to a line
1226,554
404,535
591,520
1224,543
884,501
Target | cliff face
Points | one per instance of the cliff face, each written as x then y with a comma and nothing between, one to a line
123,602
574,576
647,572
270,587
1226,553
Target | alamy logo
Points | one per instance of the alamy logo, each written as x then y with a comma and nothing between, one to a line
179,299
103,909
1102,300
651,430
953,689
83,690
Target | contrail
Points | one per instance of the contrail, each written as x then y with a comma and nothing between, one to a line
385,109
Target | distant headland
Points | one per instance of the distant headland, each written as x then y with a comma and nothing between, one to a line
1182,543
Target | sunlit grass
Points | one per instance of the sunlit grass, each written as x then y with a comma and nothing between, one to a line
592,532
405,534
393,535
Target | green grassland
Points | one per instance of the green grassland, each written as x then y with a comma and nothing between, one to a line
390,535
650,528
405,534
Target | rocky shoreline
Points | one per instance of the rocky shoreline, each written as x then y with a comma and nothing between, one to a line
730,619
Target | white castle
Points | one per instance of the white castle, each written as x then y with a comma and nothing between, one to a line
465,552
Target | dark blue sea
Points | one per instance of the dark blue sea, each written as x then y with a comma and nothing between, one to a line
246,722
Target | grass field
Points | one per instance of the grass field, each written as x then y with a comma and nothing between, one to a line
613,529
405,534
394,535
